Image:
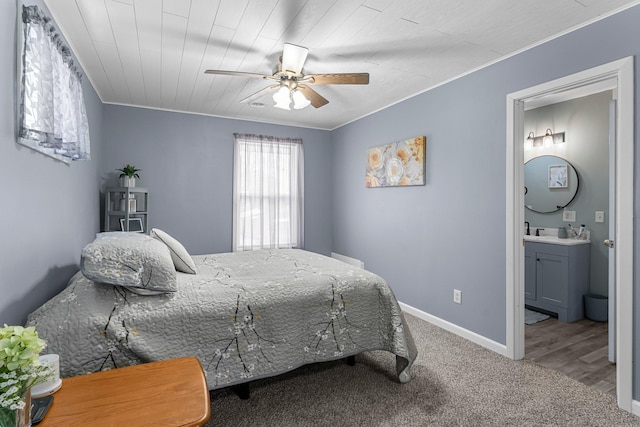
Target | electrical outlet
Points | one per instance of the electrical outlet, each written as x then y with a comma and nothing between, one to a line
599,216
569,216
457,296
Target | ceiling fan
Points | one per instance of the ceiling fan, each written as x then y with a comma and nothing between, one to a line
291,85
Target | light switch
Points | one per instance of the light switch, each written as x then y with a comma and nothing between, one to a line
569,216
599,216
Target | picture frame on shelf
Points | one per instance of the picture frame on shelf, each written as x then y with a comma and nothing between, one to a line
135,225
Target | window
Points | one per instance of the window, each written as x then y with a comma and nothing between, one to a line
268,193
52,116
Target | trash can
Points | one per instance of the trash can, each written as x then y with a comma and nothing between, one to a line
596,307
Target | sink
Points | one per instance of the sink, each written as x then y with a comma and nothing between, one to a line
555,240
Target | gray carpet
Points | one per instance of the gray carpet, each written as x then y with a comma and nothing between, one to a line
531,317
455,383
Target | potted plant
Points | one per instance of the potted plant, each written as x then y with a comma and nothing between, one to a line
128,175
20,369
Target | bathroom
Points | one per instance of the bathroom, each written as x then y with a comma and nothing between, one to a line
585,122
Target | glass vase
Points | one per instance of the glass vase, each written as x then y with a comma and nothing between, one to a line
17,417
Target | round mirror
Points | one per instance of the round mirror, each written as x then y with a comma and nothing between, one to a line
550,182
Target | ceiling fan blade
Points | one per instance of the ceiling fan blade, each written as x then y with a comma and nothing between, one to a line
316,99
260,93
293,58
338,79
238,73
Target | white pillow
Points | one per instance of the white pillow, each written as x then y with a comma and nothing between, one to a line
181,258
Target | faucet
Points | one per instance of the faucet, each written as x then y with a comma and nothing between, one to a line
538,231
528,233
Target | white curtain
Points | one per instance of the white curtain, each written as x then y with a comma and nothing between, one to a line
268,193
53,119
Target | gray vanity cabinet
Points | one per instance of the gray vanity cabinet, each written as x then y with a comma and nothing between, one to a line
556,278
529,275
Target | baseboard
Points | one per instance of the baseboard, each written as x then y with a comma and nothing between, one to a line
464,333
635,408
348,260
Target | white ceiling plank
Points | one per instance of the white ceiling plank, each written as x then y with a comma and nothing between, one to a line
148,15
96,19
151,61
504,39
385,32
230,13
199,32
597,7
252,23
110,59
124,29
379,5
174,29
306,19
331,21
177,7
282,16
214,53
351,26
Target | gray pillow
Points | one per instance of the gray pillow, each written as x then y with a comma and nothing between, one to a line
133,260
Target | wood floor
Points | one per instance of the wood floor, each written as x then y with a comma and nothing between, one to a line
577,349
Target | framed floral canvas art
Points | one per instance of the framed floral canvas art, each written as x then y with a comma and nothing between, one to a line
397,164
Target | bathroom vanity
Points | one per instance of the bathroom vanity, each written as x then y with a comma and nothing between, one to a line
557,275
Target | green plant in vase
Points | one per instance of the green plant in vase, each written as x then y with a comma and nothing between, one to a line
128,175
20,369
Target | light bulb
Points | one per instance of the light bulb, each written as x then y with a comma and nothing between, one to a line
299,100
282,98
548,138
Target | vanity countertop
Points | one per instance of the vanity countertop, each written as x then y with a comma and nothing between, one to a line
555,240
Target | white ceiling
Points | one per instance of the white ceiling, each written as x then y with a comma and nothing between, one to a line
153,53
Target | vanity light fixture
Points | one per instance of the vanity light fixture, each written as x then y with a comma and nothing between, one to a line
545,140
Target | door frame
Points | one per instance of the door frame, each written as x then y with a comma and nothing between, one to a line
620,73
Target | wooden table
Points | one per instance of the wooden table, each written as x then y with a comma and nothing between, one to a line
167,393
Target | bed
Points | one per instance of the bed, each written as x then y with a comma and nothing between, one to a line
244,315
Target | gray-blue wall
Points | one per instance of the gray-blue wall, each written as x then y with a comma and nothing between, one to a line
48,210
449,234
187,165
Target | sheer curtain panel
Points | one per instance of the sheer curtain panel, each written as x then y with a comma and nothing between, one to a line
268,193
53,119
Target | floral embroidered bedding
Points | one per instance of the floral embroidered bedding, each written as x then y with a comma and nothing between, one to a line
244,315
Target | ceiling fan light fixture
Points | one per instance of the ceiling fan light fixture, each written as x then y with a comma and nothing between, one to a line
287,80
299,100
282,98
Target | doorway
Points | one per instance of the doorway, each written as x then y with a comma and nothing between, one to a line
572,343
618,76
